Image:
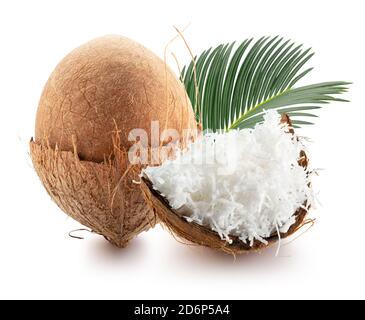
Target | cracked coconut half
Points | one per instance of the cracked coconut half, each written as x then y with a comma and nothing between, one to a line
237,191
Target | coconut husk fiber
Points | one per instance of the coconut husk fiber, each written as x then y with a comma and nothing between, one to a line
96,96
191,232
100,196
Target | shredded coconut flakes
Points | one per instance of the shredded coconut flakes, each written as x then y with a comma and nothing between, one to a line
246,183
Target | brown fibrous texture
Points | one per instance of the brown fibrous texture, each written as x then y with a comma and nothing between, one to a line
193,233
100,196
95,96
108,84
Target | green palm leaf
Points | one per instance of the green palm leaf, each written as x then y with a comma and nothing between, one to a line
236,84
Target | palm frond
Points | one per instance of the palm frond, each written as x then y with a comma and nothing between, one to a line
236,84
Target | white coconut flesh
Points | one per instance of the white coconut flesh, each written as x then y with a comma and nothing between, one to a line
245,183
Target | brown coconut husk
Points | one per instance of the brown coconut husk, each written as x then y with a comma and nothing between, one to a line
101,196
92,100
194,233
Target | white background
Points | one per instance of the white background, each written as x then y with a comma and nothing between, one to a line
39,260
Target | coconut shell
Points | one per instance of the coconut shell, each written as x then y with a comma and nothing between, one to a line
95,96
194,233
106,85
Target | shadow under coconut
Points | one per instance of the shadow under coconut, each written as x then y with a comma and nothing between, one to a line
101,251
197,257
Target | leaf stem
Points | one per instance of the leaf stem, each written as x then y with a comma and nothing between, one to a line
248,113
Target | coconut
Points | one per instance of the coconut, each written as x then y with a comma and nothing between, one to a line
218,215
96,96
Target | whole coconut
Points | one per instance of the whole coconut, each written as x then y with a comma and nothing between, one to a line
93,99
